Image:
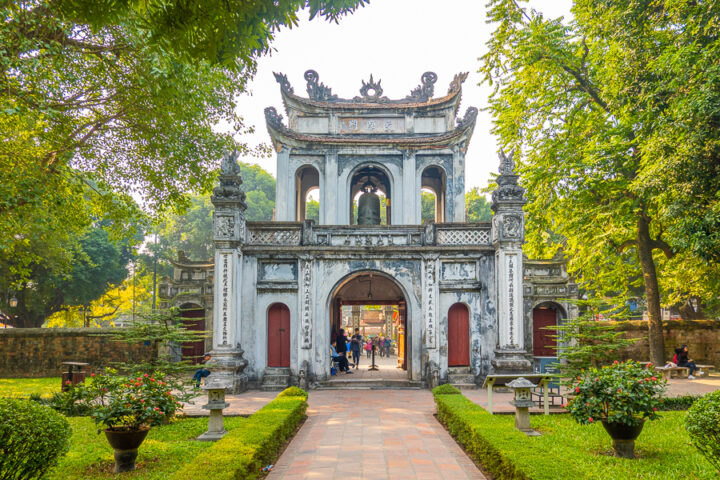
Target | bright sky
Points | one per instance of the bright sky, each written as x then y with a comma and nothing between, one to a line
396,41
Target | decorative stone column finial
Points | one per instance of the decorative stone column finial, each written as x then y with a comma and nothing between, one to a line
508,235
229,191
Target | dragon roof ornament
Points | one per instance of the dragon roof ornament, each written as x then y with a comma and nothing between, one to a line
317,90
371,90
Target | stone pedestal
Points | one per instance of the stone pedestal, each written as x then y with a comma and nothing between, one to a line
216,403
522,402
511,361
227,367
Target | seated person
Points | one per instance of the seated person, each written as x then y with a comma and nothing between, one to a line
201,373
681,354
341,360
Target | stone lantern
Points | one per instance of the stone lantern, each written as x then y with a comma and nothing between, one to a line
216,404
522,401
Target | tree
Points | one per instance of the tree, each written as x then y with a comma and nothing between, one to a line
585,342
600,123
97,263
191,230
477,207
312,210
427,211
104,99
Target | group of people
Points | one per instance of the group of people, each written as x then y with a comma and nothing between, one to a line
382,345
343,346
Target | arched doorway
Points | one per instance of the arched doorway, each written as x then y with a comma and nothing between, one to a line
546,316
374,303
458,336
192,317
278,329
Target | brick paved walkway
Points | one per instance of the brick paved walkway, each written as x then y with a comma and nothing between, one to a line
384,434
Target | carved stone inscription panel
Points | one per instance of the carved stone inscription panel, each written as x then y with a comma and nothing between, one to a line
307,305
354,125
277,272
459,271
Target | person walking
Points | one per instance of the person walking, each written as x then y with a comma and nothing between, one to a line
388,344
355,345
368,347
381,345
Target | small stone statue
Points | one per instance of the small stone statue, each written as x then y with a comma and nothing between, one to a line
369,206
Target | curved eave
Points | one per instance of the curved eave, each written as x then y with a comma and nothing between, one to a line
285,137
307,105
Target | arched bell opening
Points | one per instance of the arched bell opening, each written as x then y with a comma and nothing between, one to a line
312,205
307,185
428,202
434,180
378,181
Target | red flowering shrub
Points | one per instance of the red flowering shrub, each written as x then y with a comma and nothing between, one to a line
619,393
130,402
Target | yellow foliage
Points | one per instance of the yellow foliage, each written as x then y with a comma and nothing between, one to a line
117,302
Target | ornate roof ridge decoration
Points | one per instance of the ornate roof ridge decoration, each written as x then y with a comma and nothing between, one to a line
426,89
317,90
457,82
371,86
470,115
285,86
508,190
273,118
229,191
423,93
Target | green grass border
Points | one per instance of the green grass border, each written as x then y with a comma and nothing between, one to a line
244,451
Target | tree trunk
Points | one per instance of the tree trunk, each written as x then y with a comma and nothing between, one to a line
656,340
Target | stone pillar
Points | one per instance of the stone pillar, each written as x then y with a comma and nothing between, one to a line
411,192
388,311
356,311
228,236
456,197
285,188
329,192
508,232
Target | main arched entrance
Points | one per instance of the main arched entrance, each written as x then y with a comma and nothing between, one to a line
373,304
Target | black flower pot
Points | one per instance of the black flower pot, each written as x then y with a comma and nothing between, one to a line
126,443
623,437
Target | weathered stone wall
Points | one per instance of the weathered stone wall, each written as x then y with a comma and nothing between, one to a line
39,352
701,336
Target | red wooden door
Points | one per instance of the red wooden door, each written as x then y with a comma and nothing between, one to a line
543,341
458,336
278,336
193,318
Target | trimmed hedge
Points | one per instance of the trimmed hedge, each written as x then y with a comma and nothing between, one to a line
32,439
568,450
474,428
244,451
446,389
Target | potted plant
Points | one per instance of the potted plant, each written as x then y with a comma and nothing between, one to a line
621,396
127,406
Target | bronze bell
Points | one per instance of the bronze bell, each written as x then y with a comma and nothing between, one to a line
369,206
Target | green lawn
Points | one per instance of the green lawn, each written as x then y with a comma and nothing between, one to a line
23,387
569,450
165,450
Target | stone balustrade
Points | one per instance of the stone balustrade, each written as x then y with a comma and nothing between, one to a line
309,234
